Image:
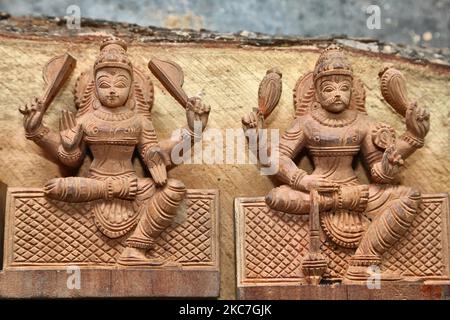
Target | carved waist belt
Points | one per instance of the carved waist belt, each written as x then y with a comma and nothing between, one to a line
101,140
334,151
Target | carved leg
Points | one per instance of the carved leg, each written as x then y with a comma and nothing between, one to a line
77,189
286,199
392,209
157,216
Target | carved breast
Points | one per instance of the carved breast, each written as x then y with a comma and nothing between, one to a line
326,141
121,129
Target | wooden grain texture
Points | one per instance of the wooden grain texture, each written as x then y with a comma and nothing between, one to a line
108,283
229,77
387,291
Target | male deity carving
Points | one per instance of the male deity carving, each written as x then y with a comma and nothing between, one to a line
113,119
331,124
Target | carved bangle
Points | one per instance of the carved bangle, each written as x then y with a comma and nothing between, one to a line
38,134
110,190
412,140
379,175
340,199
296,178
69,156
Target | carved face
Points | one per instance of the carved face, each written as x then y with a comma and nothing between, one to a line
113,86
334,92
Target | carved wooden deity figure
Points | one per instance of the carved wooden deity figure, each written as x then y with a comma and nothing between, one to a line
332,125
114,101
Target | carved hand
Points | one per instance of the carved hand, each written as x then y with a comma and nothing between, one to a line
197,111
391,161
33,112
417,120
156,165
313,182
69,130
253,120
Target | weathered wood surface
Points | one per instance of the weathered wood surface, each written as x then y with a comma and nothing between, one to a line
229,75
387,291
108,283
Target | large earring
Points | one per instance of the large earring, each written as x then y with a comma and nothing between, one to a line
96,104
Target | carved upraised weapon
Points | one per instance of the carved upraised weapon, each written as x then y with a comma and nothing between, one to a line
55,74
269,92
393,89
171,76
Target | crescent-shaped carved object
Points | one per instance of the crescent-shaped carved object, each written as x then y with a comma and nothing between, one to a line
171,76
393,89
269,92
55,74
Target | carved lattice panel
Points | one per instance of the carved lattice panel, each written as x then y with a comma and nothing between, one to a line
271,244
46,232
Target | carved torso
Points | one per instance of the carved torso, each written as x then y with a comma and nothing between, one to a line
333,145
112,139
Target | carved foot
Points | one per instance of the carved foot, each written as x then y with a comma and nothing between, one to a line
364,268
314,266
136,257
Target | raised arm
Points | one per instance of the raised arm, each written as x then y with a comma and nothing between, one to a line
378,150
157,156
417,126
65,147
182,141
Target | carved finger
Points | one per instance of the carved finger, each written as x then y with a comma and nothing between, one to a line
65,124
72,120
162,173
78,133
206,109
24,110
61,124
398,159
246,119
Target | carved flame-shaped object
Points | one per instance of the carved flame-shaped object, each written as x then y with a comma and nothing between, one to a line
393,88
269,92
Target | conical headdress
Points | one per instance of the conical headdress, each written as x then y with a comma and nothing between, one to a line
332,61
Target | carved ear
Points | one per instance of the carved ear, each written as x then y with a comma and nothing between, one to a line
304,94
84,92
358,100
143,93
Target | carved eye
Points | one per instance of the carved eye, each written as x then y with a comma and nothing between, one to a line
345,88
104,85
120,84
328,89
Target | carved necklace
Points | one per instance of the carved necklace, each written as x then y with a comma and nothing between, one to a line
321,116
108,116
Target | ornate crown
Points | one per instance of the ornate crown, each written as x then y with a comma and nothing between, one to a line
113,53
332,61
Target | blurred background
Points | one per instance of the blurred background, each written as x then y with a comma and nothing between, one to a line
406,21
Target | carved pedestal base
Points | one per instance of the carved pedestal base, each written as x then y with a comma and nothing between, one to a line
53,249
103,283
271,247
387,291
